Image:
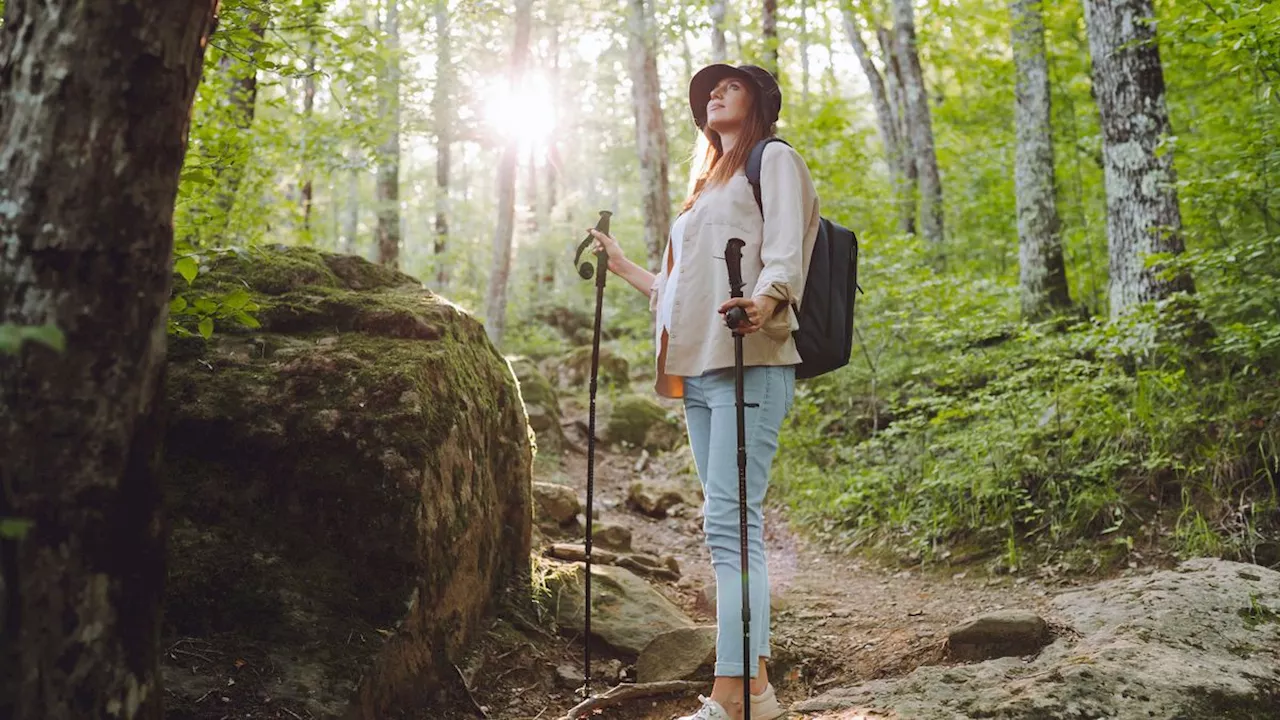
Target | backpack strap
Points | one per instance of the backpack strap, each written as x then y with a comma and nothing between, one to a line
754,161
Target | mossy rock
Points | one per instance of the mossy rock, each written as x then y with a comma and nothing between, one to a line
541,404
574,370
358,467
637,421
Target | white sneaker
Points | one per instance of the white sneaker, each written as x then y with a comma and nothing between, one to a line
710,710
765,705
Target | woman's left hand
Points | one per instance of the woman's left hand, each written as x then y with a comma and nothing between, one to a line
758,309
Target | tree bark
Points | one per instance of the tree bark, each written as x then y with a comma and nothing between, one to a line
1142,203
769,29
921,125
500,271
95,101
1041,270
804,52
242,99
651,135
388,185
719,50
898,106
308,108
886,121
442,111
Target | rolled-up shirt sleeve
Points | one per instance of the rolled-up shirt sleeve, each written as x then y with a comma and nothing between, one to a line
788,198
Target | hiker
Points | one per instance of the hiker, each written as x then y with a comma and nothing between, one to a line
735,108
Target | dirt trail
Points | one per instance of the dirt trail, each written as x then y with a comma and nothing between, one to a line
836,620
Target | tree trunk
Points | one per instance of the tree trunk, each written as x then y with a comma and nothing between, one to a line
242,98
347,241
388,187
886,119
719,51
95,101
442,111
1142,203
804,52
1041,270
898,106
308,106
651,135
553,153
921,124
769,29
500,271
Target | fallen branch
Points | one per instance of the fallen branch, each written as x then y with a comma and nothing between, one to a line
631,691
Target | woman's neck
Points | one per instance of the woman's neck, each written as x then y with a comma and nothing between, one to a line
728,138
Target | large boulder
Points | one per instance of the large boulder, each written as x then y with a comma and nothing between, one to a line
348,485
541,404
639,422
574,369
1200,641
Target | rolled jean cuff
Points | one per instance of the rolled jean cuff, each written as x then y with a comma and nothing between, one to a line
733,669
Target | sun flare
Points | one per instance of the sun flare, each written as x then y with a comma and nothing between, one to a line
526,113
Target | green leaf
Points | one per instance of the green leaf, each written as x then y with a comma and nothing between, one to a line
187,268
247,320
12,336
205,306
236,300
177,305
12,528
206,328
196,176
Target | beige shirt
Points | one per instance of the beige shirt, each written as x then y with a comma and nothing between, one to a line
775,262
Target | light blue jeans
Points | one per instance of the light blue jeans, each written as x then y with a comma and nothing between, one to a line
711,415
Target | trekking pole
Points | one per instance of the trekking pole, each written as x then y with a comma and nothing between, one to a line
735,318
585,271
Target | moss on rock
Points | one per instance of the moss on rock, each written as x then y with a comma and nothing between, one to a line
362,461
637,421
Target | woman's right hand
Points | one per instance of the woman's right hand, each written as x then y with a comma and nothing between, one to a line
617,259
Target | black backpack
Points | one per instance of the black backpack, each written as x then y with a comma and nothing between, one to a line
825,337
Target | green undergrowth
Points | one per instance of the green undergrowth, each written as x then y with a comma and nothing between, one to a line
961,433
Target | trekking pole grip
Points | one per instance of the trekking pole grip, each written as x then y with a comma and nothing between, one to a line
585,271
736,317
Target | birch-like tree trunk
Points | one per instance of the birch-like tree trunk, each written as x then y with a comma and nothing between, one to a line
651,135
388,183
769,29
804,52
95,101
886,120
1143,217
442,112
308,109
921,125
350,224
1041,271
719,50
898,105
500,270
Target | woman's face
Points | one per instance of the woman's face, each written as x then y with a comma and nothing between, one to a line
728,105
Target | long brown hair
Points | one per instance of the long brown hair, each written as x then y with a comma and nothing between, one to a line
715,167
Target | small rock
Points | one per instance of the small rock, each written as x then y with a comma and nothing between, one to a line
648,566
998,634
555,503
671,563
611,536
626,612
569,676
652,500
677,655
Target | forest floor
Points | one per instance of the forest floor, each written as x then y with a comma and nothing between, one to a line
837,620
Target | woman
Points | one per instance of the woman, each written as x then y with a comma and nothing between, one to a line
735,107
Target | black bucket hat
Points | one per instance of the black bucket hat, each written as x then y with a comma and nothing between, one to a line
768,99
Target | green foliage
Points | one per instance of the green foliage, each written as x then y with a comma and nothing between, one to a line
12,528
12,337
957,429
